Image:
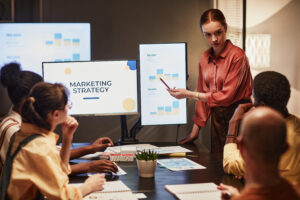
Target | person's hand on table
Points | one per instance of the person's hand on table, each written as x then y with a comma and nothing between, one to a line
192,136
102,166
104,140
92,184
227,191
102,143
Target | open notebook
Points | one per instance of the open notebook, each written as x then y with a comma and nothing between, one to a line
112,190
195,191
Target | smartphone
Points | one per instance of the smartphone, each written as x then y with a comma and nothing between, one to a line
165,83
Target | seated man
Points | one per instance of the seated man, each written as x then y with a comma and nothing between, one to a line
261,143
271,89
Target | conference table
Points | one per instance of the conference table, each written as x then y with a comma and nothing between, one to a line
154,189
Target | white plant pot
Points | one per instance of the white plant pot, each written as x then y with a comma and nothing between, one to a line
146,168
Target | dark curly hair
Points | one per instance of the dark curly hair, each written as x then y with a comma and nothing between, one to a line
18,82
273,89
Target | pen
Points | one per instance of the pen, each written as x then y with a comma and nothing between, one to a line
164,83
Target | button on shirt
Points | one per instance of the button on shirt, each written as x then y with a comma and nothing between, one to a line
225,80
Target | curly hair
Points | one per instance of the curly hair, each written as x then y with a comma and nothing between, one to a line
273,89
18,82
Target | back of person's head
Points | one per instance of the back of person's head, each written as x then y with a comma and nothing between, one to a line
272,89
43,99
263,135
213,15
18,82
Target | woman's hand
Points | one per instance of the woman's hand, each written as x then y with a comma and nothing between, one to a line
179,93
92,184
69,127
227,191
192,136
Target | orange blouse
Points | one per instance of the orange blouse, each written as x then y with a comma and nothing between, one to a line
225,80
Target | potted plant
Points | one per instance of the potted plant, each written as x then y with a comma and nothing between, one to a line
146,162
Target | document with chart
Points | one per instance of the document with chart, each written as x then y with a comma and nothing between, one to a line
179,164
162,66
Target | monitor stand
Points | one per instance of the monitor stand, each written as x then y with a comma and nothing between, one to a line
125,137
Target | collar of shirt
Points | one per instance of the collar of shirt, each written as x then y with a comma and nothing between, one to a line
15,115
30,129
223,54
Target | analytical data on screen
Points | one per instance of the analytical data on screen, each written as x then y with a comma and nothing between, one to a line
162,65
30,44
97,87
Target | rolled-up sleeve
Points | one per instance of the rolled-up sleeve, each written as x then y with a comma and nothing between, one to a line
233,162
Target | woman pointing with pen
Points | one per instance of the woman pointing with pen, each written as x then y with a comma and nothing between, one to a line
224,81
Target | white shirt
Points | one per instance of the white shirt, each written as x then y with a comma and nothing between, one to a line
14,118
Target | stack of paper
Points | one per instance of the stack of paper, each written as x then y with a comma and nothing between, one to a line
172,150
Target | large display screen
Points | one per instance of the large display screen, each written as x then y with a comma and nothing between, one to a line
166,62
30,44
97,87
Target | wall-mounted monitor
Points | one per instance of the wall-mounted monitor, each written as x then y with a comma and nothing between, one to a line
30,44
167,62
97,87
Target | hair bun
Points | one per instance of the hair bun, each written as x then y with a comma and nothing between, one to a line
10,74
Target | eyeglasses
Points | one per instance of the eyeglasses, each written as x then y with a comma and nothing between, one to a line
70,104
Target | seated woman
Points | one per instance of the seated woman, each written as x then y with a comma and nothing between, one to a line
38,169
18,84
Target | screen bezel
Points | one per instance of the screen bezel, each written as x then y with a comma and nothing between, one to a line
186,73
48,23
104,114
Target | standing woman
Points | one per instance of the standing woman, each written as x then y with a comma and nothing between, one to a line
37,169
224,81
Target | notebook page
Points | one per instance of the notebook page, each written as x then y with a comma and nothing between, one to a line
110,196
114,186
194,191
110,186
205,196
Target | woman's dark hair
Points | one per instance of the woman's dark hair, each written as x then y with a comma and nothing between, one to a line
17,82
273,89
43,99
213,15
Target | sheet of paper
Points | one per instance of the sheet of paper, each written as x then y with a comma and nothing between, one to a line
129,148
171,149
120,172
178,164
140,195
111,196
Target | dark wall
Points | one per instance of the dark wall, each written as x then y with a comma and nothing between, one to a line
118,26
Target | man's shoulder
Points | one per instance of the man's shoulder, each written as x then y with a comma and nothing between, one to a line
283,190
293,121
